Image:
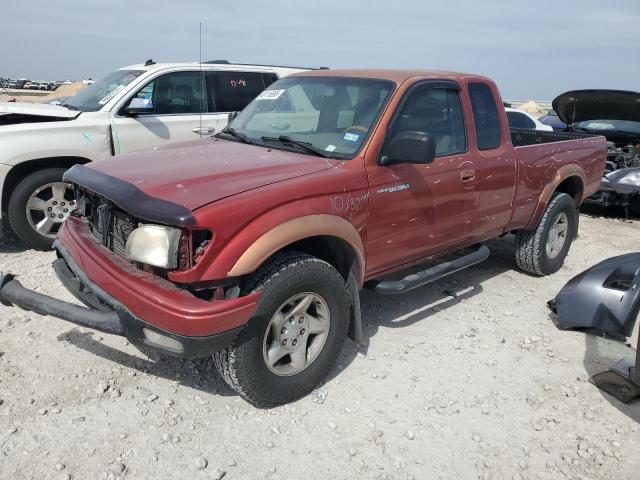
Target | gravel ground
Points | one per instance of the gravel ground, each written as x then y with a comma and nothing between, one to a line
478,386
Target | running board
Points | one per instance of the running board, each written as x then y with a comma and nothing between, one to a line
415,280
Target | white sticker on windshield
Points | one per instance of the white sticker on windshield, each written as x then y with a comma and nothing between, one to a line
110,95
351,137
270,94
330,148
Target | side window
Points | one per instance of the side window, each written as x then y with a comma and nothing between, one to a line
269,78
438,112
485,116
174,93
234,90
520,120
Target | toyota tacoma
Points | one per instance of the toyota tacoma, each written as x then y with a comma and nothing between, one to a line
252,245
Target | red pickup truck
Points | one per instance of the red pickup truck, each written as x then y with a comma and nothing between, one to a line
252,245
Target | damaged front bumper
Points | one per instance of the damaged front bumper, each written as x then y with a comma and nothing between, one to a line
106,314
122,300
604,299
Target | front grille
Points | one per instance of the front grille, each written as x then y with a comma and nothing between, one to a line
108,224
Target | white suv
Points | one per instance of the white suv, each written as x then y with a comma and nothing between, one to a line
136,107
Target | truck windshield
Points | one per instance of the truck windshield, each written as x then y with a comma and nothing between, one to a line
95,96
331,116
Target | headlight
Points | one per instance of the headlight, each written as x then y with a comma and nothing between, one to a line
154,245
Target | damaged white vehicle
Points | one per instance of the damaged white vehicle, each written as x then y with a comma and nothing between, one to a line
133,108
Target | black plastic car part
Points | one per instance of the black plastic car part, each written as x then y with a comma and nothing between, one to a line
604,299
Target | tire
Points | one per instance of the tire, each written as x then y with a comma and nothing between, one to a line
532,254
244,365
17,209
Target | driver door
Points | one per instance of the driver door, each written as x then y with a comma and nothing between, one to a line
417,210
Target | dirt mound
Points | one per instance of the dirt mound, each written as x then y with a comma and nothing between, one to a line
65,91
532,108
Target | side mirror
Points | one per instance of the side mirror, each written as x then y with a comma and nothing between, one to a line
410,147
139,105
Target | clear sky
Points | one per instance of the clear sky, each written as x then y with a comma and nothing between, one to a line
533,49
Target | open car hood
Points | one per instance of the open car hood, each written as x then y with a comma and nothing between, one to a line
582,105
12,113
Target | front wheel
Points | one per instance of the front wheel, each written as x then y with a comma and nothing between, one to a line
295,335
38,206
542,251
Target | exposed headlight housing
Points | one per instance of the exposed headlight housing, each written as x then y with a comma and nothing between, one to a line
155,245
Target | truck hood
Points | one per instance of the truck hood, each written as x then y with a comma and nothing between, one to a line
582,105
11,113
193,174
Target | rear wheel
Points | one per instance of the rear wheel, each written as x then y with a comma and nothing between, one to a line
38,206
542,251
295,335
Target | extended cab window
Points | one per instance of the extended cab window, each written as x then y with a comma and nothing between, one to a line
175,93
233,90
437,112
485,116
520,120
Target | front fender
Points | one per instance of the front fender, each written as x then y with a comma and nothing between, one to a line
298,229
72,138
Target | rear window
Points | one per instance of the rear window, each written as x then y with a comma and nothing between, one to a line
485,116
234,90
520,120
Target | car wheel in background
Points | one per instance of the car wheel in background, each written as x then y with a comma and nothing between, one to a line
38,206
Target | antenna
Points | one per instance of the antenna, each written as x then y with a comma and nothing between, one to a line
202,99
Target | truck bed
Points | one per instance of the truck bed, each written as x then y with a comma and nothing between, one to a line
521,137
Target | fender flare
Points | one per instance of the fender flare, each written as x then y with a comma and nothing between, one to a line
298,229
564,172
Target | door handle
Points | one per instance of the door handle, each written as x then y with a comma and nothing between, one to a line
468,175
203,130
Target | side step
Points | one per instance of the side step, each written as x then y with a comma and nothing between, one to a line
415,280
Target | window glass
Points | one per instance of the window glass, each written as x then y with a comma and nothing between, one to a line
234,90
520,120
437,112
331,114
269,78
485,116
174,93
96,95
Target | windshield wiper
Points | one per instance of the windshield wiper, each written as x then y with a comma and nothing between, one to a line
304,145
70,107
230,131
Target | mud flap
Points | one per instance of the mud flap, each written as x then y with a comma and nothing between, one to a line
604,299
355,321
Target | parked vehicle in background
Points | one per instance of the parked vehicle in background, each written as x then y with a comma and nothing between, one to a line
520,119
553,121
136,107
616,115
252,246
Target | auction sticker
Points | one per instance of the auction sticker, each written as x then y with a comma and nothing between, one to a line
110,95
351,137
270,94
